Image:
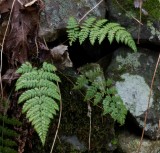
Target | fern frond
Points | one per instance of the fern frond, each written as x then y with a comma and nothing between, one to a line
100,90
99,30
72,30
106,105
104,31
7,143
39,114
7,150
112,32
27,67
95,30
53,93
48,67
81,82
10,121
37,75
85,29
90,93
40,96
8,132
35,84
116,108
97,98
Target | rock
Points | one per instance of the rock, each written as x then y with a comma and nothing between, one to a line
133,73
57,13
76,144
126,13
129,143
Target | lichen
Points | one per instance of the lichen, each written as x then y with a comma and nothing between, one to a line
154,31
134,92
131,60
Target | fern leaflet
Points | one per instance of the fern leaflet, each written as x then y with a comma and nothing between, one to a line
73,30
85,29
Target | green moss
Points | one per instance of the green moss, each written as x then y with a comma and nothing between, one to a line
151,6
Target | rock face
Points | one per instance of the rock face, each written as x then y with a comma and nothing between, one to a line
129,143
133,73
126,13
57,13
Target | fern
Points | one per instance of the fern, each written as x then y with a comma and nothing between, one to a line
40,95
99,29
100,90
7,143
85,29
73,30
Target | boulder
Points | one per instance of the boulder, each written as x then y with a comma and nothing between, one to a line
133,74
127,14
129,143
57,13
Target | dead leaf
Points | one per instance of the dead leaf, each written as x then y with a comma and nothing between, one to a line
9,76
61,56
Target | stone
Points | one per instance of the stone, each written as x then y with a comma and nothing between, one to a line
132,73
129,143
57,12
127,14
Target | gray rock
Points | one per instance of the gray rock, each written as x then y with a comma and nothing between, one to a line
57,13
129,143
76,144
126,13
133,73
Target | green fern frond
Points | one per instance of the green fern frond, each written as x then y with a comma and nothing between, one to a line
53,93
97,98
7,150
105,29
90,93
48,67
7,143
35,84
10,121
40,96
8,132
72,30
115,107
27,67
37,75
81,82
85,29
112,32
100,90
95,30
99,30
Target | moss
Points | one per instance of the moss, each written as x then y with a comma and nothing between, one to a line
151,6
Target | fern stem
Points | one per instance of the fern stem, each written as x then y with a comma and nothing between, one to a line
59,120
90,125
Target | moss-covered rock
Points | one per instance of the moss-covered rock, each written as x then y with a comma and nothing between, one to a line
129,143
135,71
